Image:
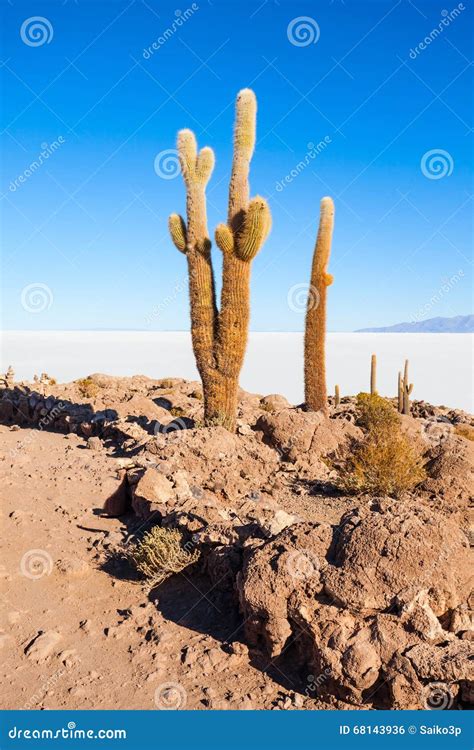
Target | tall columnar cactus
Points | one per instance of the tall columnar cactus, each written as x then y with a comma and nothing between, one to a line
315,332
373,374
220,336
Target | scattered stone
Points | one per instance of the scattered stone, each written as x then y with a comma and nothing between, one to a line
42,646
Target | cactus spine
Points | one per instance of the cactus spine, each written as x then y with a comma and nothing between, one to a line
407,389
220,336
315,332
373,375
337,396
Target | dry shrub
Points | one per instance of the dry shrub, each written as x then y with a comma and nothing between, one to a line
177,411
465,431
161,553
386,461
87,387
375,412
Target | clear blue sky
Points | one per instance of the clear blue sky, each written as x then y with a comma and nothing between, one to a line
90,224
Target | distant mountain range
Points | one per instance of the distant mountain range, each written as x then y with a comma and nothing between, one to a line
458,324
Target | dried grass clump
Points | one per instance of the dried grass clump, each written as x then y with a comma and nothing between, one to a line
386,461
161,553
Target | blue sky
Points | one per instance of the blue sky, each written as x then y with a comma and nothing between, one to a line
84,236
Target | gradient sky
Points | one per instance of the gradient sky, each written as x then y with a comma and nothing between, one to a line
90,224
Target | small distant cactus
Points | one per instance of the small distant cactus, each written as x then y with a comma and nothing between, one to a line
407,389
315,329
337,396
161,553
220,336
400,392
373,374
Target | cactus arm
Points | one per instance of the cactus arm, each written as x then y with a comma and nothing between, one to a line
178,232
244,143
224,238
255,229
315,329
193,239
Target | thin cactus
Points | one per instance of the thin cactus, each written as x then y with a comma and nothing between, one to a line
373,375
315,330
337,397
407,389
400,392
220,336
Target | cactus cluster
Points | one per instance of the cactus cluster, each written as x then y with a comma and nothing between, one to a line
219,332
219,335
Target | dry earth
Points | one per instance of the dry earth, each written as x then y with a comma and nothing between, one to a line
246,627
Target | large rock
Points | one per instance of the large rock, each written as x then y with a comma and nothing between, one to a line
368,603
304,437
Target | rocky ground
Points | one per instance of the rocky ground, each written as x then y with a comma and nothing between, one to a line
303,597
